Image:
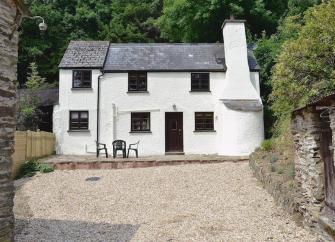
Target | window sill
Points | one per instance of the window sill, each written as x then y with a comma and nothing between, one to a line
204,131
140,132
81,89
79,131
208,91
137,92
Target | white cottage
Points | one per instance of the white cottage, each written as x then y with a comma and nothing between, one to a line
174,98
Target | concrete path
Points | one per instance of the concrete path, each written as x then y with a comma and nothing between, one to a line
208,202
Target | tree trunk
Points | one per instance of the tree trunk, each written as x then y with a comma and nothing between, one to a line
8,67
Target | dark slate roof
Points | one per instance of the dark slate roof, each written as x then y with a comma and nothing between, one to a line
169,57
148,56
46,97
85,54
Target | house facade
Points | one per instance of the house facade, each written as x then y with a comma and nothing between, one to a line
173,98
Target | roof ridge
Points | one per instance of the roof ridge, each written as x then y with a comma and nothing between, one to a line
134,43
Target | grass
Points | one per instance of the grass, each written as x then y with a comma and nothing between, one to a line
30,167
267,145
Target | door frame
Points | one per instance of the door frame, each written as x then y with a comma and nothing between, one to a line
182,135
327,155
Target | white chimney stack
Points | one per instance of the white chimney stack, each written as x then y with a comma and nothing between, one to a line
238,91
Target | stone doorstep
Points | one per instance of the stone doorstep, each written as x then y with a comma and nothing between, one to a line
130,164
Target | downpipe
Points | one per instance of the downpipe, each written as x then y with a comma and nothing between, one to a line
98,113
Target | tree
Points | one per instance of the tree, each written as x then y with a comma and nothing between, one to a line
117,21
269,48
305,67
29,115
200,21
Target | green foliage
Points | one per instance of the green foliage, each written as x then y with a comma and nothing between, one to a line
305,67
274,159
34,81
291,170
29,114
267,145
280,170
117,21
200,21
269,48
30,167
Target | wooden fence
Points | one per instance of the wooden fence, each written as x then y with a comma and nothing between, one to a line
29,144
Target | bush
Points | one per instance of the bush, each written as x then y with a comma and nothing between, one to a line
280,170
267,145
30,167
291,170
274,159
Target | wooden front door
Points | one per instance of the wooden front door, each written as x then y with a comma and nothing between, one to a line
327,154
174,132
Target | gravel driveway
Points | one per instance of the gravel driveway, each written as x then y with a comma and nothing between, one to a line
213,202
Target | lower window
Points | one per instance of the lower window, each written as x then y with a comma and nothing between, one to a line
140,122
204,121
78,120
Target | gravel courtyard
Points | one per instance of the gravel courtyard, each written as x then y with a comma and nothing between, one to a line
213,202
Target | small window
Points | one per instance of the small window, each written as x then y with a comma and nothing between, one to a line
140,122
199,81
78,120
204,121
82,79
137,81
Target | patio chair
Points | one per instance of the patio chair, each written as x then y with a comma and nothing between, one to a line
101,146
119,145
133,147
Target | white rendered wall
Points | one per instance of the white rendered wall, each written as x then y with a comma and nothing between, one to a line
164,90
238,85
241,132
237,133
75,100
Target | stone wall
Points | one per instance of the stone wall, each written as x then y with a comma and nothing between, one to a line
309,165
8,60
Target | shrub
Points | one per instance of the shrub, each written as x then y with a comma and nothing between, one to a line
273,167
267,145
291,170
274,159
280,170
30,167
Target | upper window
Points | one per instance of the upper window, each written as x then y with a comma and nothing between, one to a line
140,122
204,121
82,79
137,81
78,120
200,82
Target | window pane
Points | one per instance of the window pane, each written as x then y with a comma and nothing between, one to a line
84,115
74,115
137,81
140,121
78,120
204,121
199,81
82,79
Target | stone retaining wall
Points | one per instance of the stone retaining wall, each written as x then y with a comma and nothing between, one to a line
289,198
309,166
274,184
